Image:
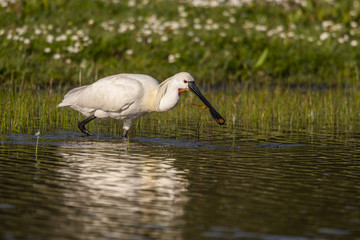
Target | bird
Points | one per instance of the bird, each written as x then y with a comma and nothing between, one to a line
128,96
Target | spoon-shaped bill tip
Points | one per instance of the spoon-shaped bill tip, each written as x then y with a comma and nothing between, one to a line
216,116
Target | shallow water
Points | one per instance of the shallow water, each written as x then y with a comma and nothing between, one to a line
219,184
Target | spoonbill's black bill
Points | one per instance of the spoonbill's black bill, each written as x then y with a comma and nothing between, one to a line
216,116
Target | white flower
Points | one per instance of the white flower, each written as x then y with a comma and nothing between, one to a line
57,56
68,32
131,27
37,31
77,45
197,26
70,49
49,38
270,33
353,24
324,36
47,50
129,52
172,57
146,32
132,3
341,40
26,41
181,8
73,49
21,30
122,28
260,28
80,33
248,25
61,37
354,43
279,28
74,38
326,24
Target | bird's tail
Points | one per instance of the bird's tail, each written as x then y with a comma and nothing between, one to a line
71,97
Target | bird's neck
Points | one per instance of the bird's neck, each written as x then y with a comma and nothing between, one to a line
166,97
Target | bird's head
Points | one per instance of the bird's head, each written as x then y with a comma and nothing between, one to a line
185,82
182,80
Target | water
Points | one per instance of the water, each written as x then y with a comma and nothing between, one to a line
217,184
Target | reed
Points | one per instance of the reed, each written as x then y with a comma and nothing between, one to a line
28,110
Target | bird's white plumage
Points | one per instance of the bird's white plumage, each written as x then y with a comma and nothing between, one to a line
126,96
113,95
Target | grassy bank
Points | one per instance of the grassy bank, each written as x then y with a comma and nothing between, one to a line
52,43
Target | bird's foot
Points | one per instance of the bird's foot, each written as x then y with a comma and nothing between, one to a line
82,124
84,130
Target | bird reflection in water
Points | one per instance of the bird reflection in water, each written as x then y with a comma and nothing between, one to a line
133,191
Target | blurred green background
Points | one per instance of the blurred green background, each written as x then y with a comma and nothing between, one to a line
257,42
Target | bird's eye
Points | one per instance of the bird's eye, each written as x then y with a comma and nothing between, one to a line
185,81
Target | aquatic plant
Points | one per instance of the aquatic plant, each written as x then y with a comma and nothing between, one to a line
29,110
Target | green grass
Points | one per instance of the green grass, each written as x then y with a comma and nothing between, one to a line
29,110
53,42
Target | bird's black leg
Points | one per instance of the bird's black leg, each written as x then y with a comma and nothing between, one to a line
82,124
125,134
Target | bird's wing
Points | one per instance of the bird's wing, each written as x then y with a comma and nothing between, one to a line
113,93
146,80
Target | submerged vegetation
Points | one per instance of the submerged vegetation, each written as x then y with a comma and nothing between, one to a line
273,65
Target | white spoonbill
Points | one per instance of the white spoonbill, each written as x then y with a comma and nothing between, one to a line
129,96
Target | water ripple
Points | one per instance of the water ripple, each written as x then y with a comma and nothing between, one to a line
64,186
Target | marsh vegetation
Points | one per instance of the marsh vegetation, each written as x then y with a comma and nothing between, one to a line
265,64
